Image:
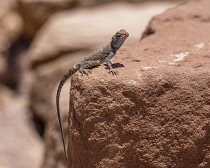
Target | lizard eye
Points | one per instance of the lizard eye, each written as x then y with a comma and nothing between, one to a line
118,35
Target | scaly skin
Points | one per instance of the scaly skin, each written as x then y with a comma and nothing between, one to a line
96,58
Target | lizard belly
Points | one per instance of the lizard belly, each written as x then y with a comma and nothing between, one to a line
90,64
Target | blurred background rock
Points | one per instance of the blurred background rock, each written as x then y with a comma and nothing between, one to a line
39,41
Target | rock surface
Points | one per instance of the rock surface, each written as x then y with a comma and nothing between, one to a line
155,113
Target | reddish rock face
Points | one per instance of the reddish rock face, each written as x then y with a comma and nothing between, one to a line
155,113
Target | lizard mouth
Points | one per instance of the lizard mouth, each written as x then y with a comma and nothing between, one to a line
123,32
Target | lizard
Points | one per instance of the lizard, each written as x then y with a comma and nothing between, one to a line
102,55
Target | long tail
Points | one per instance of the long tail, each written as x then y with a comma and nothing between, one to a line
64,79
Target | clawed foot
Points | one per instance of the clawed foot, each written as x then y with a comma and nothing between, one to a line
114,71
85,71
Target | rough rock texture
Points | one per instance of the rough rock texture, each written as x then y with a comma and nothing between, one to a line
156,112
20,146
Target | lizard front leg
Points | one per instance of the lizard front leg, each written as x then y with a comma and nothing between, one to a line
109,63
112,70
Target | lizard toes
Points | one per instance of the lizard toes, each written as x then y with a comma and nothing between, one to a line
113,71
89,71
81,72
84,71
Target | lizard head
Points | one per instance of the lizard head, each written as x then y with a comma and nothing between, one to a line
119,38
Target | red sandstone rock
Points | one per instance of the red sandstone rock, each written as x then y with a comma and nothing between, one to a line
155,113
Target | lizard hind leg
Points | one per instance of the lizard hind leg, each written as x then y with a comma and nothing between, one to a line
86,65
85,71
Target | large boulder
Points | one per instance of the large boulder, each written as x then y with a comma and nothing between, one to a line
155,113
